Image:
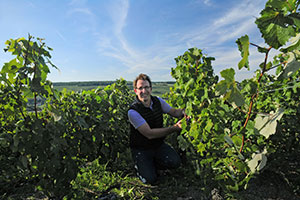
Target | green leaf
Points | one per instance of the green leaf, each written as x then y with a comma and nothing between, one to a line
295,44
228,140
276,23
251,87
24,161
221,88
236,97
189,108
189,84
268,66
296,18
16,140
27,92
195,51
55,113
243,44
82,123
36,84
228,74
291,67
262,49
201,148
209,125
183,144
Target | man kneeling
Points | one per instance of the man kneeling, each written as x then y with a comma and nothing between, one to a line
147,134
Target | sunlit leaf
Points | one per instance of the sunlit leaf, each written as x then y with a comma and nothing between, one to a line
266,124
289,69
258,161
276,24
295,44
243,44
55,113
228,74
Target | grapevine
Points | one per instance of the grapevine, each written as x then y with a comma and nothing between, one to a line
237,129
234,123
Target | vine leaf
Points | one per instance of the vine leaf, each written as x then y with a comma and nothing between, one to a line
228,75
236,97
258,161
55,113
295,44
266,125
290,68
183,144
277,23
24,161
228,88
228,140
243,44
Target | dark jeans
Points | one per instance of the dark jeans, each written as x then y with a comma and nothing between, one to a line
148,161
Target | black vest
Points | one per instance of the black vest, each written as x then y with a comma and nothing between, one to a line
154,117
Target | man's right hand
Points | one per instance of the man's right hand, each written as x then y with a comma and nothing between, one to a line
178,125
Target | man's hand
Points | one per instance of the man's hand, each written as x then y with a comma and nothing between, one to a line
178,126
184,116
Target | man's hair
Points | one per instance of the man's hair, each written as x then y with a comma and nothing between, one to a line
141,77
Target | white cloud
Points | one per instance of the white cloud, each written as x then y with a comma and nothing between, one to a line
201,2
85,11
60,35
119,13
82,17
236,31
207,2
234,23
244,10
118,47
77,2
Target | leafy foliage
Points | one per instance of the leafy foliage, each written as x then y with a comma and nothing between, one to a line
48,146
236,126
279,22
237,129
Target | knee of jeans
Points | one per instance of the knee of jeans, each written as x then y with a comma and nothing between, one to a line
148,180
175,162
151,180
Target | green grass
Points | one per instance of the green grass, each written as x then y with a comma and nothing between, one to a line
98,180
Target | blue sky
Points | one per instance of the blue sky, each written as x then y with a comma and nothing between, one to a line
96,40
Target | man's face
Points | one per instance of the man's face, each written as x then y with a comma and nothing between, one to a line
143,90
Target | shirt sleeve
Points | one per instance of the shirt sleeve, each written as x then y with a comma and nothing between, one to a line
164,105
135,118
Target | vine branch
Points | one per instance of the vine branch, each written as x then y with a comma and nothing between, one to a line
254,96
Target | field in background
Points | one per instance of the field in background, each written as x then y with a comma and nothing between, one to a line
158,88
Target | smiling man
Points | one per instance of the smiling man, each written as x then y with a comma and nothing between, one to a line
147,134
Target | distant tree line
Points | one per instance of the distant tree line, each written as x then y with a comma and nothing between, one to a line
101,83
84,83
